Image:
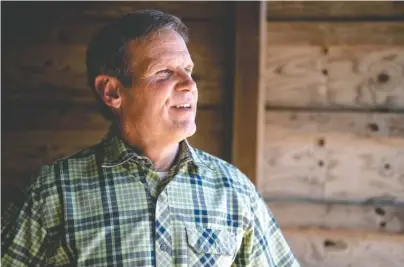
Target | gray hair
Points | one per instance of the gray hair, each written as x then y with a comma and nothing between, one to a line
106,52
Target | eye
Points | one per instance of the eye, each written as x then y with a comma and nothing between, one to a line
164,73
188,70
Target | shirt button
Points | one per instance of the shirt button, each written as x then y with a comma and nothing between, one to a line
163,247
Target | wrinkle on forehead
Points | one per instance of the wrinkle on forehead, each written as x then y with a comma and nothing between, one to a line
164,41
160,48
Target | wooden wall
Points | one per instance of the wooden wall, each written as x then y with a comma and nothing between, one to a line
333,171
48,110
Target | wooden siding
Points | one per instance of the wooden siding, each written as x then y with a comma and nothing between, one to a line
335,10
344,215
339,248
249,101
335,33
334,156
336,77
332,170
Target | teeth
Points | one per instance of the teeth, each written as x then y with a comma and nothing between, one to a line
183,106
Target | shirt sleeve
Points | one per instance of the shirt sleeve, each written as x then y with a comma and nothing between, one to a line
263,243
22,233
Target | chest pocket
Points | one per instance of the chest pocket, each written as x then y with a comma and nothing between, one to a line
211,247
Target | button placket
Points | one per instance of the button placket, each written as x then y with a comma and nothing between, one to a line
163,237
163,247
162,198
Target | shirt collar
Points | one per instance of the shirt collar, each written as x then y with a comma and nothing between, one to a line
117,152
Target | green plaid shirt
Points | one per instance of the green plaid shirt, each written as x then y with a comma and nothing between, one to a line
106,206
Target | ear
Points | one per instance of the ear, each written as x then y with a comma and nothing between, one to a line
108,88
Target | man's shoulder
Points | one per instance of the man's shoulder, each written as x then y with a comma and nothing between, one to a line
83,159
214,162
84,155
223,168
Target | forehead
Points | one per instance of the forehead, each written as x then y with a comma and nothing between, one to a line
162,46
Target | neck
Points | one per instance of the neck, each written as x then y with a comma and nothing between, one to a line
162,155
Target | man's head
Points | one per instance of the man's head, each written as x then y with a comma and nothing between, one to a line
140,68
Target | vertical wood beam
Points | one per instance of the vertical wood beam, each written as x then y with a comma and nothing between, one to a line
249,98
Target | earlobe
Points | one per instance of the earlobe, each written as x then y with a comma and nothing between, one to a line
108,89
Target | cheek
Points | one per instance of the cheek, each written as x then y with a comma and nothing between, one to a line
150,97
196,93
160,92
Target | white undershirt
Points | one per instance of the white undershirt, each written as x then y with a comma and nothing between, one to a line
162,175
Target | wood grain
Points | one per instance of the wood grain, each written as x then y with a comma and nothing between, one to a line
57,70
294,76
322,248
48,138
248,88
26,151
109,10
334,156
52,116
335,33
360,10
372,218
60,32
364,77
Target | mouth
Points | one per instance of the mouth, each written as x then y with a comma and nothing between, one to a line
184,106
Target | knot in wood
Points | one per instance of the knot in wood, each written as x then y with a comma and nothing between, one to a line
383,78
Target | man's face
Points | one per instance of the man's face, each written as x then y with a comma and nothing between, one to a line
163,98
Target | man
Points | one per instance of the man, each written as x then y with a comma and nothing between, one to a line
143,196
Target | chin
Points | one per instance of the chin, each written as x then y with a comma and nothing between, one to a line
192,131
185,131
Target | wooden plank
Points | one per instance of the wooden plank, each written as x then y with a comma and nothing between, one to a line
315,10
322,248
194,10
52,116
291,166
334,156
294,76
104,10
248,87
364,77
25,150
335,33
57,71
203,33
210,134
59,31
373,218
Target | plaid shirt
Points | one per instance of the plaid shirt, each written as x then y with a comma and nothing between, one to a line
106,206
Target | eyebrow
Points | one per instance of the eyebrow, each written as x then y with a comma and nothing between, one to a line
154,62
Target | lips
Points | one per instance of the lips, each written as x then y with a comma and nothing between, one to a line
182,106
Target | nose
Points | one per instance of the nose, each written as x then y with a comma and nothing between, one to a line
185,81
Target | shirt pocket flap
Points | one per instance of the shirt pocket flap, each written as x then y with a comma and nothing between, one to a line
211,241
